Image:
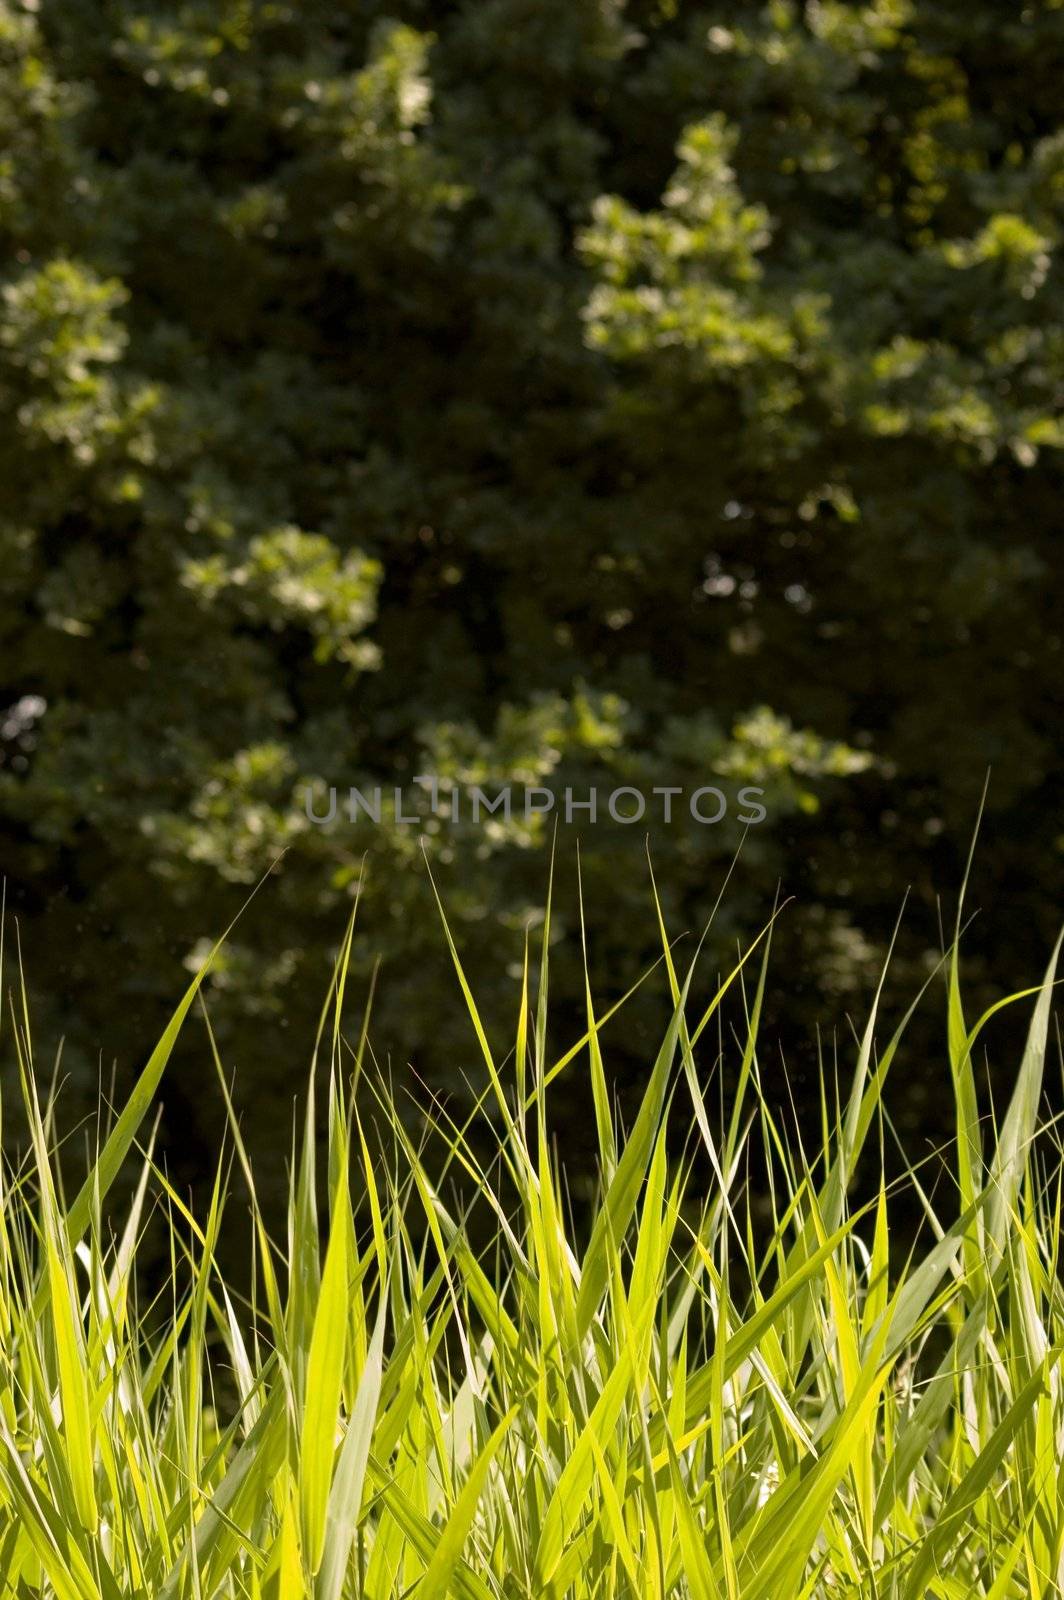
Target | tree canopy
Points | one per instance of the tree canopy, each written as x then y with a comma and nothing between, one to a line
655,393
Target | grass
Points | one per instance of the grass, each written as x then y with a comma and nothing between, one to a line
681,1399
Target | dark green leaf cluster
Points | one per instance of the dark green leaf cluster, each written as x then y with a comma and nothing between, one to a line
519,392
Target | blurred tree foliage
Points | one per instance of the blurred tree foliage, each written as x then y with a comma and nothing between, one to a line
546,391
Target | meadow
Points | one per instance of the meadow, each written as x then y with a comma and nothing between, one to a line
685,1393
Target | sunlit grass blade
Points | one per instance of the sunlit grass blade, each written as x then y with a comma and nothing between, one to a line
706,1368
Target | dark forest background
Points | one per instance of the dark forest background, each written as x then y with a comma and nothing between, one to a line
560,392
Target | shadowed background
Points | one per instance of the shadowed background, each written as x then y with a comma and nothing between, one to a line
563,394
